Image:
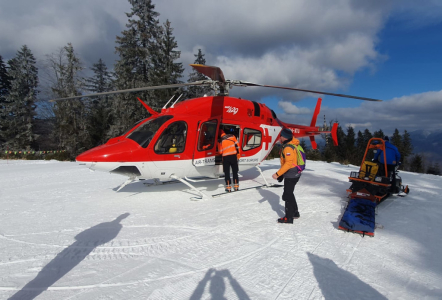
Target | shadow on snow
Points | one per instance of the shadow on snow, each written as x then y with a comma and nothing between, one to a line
70,257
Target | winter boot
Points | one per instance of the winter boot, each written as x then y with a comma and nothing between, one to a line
296,215
285,220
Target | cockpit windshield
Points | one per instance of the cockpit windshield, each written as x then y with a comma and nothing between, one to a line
144,134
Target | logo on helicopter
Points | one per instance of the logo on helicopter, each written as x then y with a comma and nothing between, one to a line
231,109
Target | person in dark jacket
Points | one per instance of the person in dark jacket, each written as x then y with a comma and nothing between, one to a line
393,158
228,148
290,173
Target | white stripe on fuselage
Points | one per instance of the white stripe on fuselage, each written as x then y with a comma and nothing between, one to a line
164,169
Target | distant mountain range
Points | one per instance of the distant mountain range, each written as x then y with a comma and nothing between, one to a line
429,144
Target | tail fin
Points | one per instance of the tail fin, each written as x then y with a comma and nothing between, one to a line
313,142
316,113
313,123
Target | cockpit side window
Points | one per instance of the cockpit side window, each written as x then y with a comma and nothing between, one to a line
143,135
172,139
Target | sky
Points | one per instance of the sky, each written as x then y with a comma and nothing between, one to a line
387,50
67,234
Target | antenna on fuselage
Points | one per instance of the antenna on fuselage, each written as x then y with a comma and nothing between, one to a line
165,105
176,100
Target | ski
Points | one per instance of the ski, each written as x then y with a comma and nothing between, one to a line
247,188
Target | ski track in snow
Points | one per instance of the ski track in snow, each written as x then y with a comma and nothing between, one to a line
169,247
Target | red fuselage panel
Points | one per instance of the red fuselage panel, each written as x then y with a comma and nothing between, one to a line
122,151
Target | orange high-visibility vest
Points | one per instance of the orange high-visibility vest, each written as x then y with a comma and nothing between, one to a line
228,145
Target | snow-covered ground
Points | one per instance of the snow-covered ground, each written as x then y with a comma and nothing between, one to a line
65,233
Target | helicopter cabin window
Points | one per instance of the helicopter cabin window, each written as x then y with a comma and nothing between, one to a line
173,139
144,134
207,135
251,139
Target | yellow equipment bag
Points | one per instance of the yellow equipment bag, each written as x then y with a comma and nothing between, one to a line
368,169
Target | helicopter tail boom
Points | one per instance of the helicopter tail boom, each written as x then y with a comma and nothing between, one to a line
310,131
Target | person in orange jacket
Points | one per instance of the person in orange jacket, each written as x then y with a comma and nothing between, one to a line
228,148
290,173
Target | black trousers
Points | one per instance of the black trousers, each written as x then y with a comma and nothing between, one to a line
230,161
391,170
289,197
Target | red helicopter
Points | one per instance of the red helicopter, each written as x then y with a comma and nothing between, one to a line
180,143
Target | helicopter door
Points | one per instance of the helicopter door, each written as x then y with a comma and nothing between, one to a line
206,144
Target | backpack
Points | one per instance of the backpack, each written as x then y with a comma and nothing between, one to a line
301,156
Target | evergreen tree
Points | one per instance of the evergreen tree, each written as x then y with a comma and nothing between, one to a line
407,149
341,151
379,134
416,164
19,105
396,140
361,145
137,48
5,81
350,148
165,70
5,85
313,154
367,136
434,169
70,131
99,107
197,91
330,152
101,81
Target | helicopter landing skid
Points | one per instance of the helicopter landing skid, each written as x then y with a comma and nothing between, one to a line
126,183
203,196
157,182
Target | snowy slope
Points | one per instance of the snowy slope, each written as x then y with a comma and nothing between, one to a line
65,233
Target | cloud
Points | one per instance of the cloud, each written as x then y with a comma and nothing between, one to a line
290,108
315,44
310,44
314,36
47,25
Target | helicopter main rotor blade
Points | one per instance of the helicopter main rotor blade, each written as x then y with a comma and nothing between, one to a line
214,73
158,87
243,83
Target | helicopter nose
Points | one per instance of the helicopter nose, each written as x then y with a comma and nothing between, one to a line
108,153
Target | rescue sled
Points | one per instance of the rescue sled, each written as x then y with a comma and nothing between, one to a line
370,186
